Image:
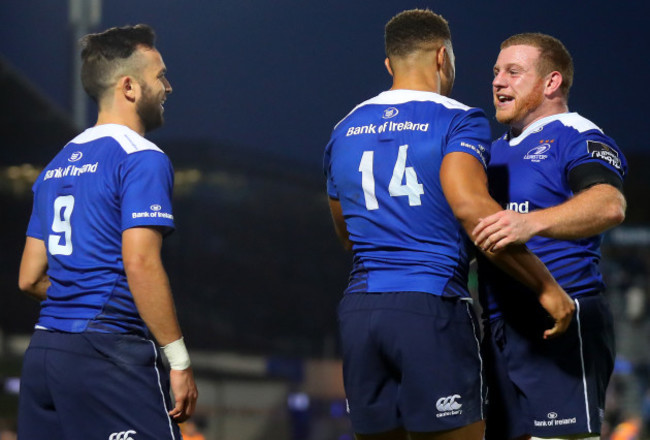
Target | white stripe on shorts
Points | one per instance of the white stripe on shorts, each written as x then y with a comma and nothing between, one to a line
162,392
582,362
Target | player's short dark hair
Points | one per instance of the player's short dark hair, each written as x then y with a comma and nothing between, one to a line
553,56
105,54
413,30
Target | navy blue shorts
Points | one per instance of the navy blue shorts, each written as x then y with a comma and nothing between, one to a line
80,386
549,388
410,360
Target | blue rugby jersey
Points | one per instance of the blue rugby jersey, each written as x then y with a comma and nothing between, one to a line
383,164
531,172
106,180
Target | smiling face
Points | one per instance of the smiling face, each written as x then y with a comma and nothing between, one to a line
155,88
517,88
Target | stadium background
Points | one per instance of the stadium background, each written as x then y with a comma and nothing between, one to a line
255,266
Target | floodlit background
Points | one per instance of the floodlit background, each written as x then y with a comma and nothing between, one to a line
255,265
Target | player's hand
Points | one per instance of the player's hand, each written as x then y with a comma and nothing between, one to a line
185,394
561,308
502,229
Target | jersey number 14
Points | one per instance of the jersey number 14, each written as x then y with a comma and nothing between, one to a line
412,188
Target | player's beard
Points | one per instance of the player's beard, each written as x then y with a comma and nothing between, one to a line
149,109
523,106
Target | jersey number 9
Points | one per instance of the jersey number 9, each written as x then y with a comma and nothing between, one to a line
63,206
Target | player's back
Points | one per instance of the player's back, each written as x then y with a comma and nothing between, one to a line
83,200
383,163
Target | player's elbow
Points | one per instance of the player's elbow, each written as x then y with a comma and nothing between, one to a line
136,264
30,285
26,284
615,213
619,215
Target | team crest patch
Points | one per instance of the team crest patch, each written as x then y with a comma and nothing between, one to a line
537,154
74,157
390,112
604,152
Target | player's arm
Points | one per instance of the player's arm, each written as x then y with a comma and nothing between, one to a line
153,297
464,183
339,223
590,212
32,278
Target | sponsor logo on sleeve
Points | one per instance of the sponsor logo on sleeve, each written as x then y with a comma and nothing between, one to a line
478,148
604,152
155,211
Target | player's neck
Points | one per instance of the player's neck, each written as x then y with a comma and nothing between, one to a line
417,73
541,112
424,83
132,121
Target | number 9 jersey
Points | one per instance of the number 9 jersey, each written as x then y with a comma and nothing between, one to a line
106,180
383,164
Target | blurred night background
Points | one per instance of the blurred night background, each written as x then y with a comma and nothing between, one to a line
255,266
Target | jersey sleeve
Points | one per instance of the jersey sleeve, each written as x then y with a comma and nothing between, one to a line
332,191
470,133
34,227
595,148
147,181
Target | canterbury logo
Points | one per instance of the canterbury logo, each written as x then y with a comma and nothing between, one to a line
124,435
448,403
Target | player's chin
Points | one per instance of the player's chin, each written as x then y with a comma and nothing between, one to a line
504,117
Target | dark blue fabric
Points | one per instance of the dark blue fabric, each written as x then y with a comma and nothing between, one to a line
410,359
537,386
80,386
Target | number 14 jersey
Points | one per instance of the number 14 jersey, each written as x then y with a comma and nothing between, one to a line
383,164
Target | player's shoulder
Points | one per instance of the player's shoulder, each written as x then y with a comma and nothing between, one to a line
403,96
577,122
571,124
129,141
561,125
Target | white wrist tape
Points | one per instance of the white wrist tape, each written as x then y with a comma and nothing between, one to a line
177,355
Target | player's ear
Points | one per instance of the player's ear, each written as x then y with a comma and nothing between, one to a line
387,64
441,59
553,82
129,87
